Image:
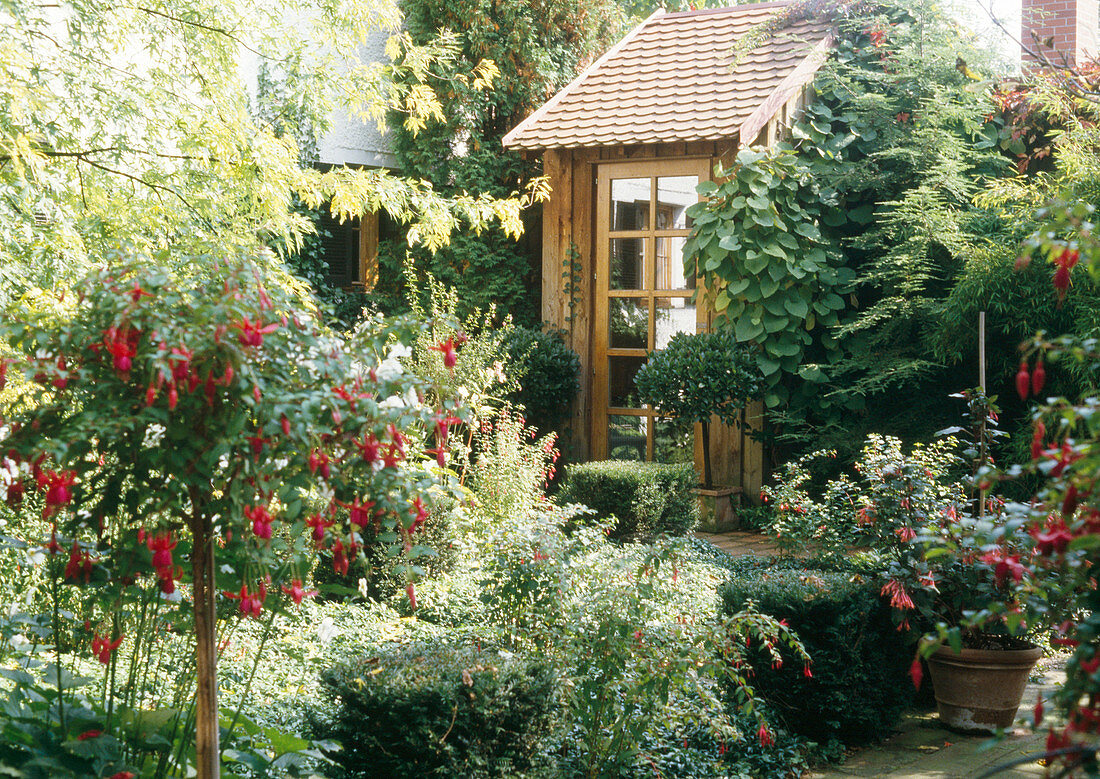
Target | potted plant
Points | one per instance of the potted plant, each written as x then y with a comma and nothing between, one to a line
695,378
950,558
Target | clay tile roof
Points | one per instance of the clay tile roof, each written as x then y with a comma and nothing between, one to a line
678,77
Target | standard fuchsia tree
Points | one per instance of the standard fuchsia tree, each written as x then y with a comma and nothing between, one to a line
177,423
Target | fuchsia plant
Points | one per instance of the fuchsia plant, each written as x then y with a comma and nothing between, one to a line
211,433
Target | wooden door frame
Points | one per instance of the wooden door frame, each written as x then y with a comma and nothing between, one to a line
604,172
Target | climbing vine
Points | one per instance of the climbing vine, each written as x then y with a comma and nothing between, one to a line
769,273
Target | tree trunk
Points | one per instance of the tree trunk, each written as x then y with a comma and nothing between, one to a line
206,689
706,456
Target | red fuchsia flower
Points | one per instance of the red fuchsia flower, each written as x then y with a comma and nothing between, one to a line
440,454
53,547
251,602
122,346
161,545
319,461
899,598
352,396
1064,456
359,514
410,590
89,734
1037,437
261,521
297,593
284,424
79,564
339,559
916,671
136,293
806,671
1038,711
420,514
58,493
905,533
257,443
180,360
1004,565
103,648
15,493
1038,378
1089,666
173,396
369,448
4,362
393,456
1065,262
252,333
765,736
1023,381
319,525
123,775
447,349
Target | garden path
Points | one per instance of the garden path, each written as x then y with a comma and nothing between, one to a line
922,749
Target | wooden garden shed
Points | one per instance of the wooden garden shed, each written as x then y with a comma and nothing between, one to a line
624,146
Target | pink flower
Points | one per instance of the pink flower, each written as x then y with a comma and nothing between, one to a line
916,672
87,734
102,648
765,736
899,598
252,333
1004,565
261,521
319,524
296,592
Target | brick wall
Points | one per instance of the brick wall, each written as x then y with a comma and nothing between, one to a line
1071,23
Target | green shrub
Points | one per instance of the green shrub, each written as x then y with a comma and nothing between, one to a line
547,371
860,660
434,711
645,498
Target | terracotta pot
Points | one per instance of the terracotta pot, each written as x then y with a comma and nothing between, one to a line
979,690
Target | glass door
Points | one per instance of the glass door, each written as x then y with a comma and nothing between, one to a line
642,299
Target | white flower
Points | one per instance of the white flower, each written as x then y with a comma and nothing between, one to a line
389,370
393,401
154,434
399,352
327,630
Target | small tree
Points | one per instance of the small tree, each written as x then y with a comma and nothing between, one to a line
178,419
699,376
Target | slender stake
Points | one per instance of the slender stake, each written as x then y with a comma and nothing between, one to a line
981,351
206,660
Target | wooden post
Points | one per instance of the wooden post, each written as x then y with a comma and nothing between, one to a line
206,686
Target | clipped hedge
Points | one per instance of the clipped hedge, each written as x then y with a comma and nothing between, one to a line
548,372
860,683
435,711
645,498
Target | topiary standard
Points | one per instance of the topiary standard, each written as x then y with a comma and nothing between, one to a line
699,376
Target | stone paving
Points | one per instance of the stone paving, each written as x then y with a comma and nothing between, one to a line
921,748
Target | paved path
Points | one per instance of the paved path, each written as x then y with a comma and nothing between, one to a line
921,748
740,543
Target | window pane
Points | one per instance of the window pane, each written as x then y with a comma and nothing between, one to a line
621,370
669,266
674,195
630,204
673,442
626,437
628,322
673,315
627,263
